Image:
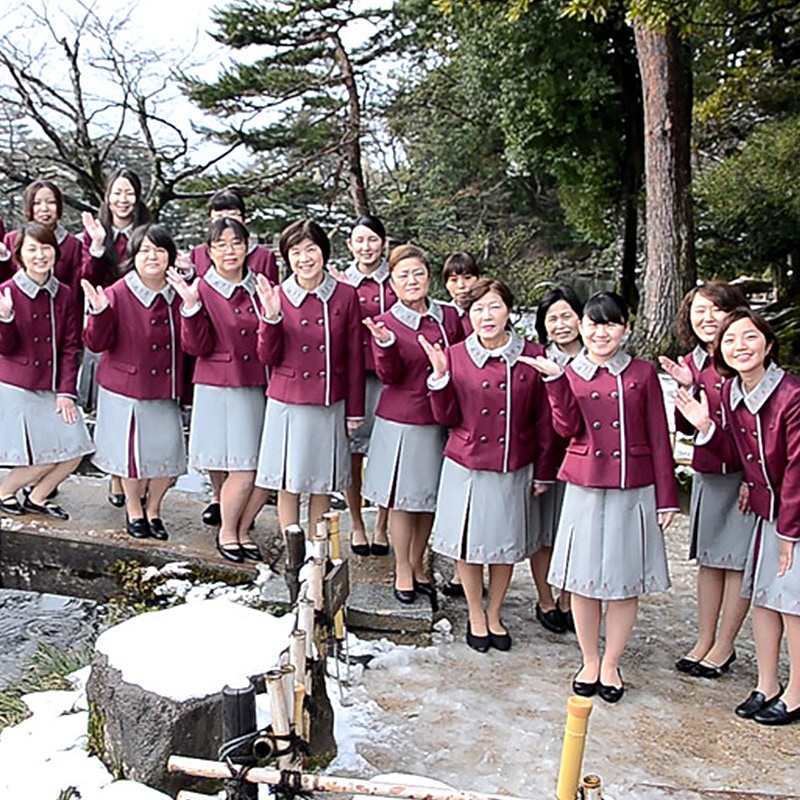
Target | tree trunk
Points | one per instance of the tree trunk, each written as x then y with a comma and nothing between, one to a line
669,269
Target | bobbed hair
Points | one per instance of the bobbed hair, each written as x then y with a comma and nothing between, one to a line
550,298
603,308
219,226
226,199
743,312
300,230
406,251
460,264
155,233
41,233
721,294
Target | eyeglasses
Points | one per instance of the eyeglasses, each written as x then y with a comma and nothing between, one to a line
220,246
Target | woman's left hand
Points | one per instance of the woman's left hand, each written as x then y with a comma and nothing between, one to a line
436,356
785,556
353,425
540,488
188,292
67,408
665,519
541,364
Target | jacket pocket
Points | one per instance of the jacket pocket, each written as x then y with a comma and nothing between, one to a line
578,449
286,372
121,366
220,357
639,450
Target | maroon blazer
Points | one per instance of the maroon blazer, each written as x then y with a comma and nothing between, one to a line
496,409
402,364
722,459
260,260
375,296
96,269
223,334
615,419
139,335
765,426
40,346
314,350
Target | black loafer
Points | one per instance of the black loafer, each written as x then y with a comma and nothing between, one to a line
500,641
686,665
429,590
157,529
477,643
10,505
453,589
705,669
552,620
360,549
138,528
405,596
251,551
232,552
378,549
116,500
47,509
776,713
584,689
212,515
755,702
611,694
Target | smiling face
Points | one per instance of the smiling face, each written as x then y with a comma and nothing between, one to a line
44,208
562,324
410,280
705,317
38,259
151,262
307,263
489,317
228,253
366,247
459,287
744,349
602,339
122,202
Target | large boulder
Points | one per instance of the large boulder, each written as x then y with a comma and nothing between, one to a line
156,679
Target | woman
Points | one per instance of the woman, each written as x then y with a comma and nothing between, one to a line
136,326
761,409
369,274
621,493
497,458
558,319
220,328
720,532
406,445
43,202
39,351
459,274
310,338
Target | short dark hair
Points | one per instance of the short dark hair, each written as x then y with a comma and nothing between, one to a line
550,298
460,264
30,195
486,285
371,222
41,233
300,230
720,293
743,312
225,199
605,307
158,235
404,251
219,226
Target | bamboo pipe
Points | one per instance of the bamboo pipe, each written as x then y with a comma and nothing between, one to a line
315,582
305,622
569,773
278,709
332,519
327,783
287,670
297,655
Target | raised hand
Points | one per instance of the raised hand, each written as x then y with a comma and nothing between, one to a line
67,408
543,365
270,298
96,297
337,273
694,409
679,371
184,266
188,292
436,356
95,229
6,304
378,330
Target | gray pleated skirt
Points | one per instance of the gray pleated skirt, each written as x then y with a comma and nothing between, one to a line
32,433
608,545
549,505
486,517
226,427
761,581
138,438
720,533
304,448
359,440
403,465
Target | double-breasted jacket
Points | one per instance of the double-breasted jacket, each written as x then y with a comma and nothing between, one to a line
96,267
260,260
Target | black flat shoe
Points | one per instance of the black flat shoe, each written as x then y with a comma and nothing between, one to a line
47,509
157,529
378,549
478,643
52,496
453,589
776,713
429,590
500,641
10,505
406,596
584,689
232,552
686,665
754,703
138,528
251,551
569,620
116,500
360,549
611,694
705,669
212,514
552,620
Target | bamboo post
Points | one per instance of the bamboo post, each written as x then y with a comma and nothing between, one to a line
319,544
569,773
315,580
332,519
301,719
297,655
238,719
287,671
295,558
278,711
305,622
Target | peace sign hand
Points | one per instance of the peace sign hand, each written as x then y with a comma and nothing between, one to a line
436,356
6,304
269,297
378,330
188,292
97,297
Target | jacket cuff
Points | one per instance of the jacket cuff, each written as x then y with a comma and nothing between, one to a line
272,321
437,384
190,312
391,341
701,439
8,319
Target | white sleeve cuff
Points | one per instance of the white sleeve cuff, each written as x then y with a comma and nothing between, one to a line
275,321
190,312
437,384
548,378
704,438
9,318
97,253
392,340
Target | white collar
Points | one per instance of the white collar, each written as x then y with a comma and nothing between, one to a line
700,356
354,276
126,232
555,353
61,233
31,289
225,287
144,295
412,319
761,393
586,369
509,352
295,293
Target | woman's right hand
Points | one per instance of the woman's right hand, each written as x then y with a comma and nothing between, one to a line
436,356
96,297
270,298
378,330
6,304
695,410
544,365
188,292
679,371
95,229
